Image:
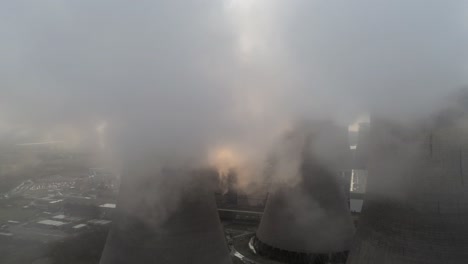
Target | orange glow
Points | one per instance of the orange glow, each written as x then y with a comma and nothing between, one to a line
224,159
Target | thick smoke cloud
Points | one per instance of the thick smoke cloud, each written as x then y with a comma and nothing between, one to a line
397,58
184,77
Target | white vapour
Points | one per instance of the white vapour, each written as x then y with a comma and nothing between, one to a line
186,77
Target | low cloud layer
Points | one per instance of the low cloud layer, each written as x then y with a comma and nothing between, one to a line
189,77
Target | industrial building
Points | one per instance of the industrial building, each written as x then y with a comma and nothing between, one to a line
361,151
358,181
310,222
416,206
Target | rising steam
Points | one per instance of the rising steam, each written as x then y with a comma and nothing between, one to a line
179,79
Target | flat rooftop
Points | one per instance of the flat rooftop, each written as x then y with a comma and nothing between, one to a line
108,205
79,226
51,222
99,222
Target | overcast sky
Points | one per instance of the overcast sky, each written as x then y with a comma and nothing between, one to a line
192,75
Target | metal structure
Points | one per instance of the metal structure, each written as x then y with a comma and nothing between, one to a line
310,222
166,217
416,205
361,152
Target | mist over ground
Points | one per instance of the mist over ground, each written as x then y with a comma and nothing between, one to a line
185,79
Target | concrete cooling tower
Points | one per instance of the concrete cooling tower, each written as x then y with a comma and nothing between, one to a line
166,216
310,222
416,205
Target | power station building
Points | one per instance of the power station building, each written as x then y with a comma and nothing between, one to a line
309,221
416,204
361,153
166,216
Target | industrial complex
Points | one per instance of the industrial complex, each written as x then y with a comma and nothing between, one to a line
393,194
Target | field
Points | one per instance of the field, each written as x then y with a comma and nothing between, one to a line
15,213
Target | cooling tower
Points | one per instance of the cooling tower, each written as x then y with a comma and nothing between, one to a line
310,222
166,216
416,206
